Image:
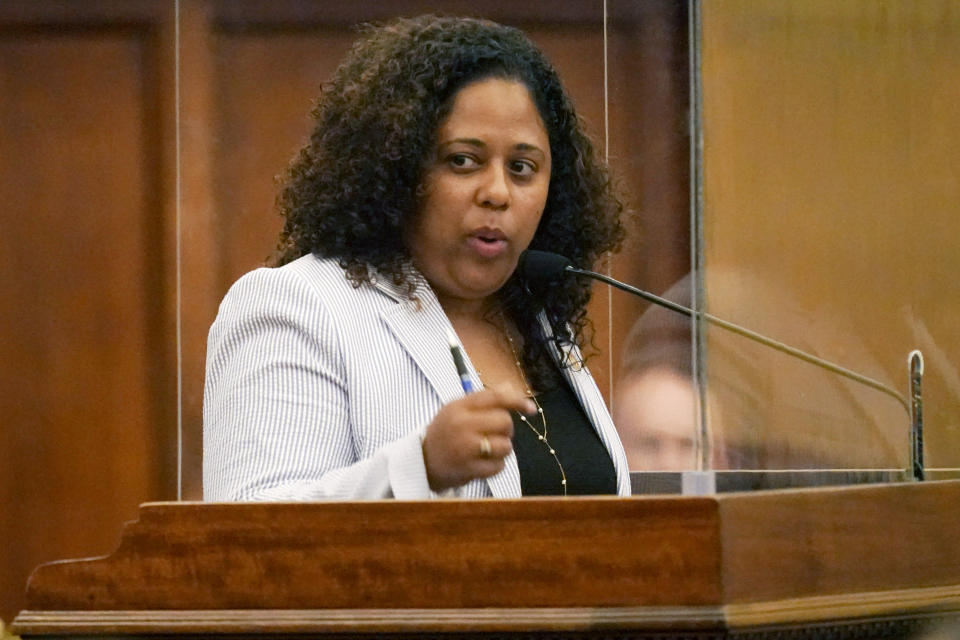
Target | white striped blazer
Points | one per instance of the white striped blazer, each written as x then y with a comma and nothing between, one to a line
316,389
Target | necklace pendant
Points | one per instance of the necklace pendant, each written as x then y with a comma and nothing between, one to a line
542,437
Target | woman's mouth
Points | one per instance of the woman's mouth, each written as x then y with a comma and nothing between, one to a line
488,243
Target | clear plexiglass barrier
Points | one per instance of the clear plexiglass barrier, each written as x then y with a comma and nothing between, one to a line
824,184
827,221
788,167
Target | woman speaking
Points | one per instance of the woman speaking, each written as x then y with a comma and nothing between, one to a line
443,148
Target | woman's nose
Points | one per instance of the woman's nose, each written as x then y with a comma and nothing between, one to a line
494,189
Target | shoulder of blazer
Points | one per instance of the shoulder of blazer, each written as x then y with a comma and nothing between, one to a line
328,272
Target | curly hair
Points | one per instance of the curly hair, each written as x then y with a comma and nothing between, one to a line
354,188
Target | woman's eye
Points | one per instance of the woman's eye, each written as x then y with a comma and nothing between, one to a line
462,161
523,168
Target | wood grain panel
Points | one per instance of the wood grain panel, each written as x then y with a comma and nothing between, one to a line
822,542
265,86
200,244
761,564
85,386
442,554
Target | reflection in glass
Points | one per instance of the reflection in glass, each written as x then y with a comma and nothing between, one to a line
829,187
827,190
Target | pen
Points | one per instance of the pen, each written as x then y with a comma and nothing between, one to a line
459,362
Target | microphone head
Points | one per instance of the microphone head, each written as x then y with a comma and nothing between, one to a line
537,266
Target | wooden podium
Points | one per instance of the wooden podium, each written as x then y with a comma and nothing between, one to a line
866,562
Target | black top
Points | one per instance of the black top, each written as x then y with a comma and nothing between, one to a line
585,460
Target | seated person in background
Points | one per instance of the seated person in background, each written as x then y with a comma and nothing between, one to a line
442,149
655,412
655,403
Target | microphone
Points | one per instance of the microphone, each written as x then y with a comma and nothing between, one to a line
539,267
542,265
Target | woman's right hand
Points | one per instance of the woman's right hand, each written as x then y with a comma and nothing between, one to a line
470,437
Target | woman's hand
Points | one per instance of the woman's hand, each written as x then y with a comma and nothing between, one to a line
470,437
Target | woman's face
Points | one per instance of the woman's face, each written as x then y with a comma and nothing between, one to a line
484,190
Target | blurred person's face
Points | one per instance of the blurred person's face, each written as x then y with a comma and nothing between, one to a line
655,414
484,190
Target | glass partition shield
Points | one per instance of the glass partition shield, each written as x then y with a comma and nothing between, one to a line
248,75
811,205
654,403
828,222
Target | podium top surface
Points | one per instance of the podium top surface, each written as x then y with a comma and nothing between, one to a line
739,550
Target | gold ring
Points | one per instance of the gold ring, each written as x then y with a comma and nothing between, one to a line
485,449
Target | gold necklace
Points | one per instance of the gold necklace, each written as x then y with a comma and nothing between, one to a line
543,417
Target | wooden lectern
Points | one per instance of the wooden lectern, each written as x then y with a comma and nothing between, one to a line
866,562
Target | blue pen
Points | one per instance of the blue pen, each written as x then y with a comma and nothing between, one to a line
459,362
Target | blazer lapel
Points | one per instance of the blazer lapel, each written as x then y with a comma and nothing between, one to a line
586,391
422,331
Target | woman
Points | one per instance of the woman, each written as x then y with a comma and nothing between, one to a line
443,148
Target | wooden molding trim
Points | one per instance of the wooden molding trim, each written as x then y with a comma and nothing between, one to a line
491,619
299,15
30,13
936,600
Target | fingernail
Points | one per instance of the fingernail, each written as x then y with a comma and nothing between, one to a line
531,408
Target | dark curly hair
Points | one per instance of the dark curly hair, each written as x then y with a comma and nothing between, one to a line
354,188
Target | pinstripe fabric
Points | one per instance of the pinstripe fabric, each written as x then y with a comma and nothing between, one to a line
319,390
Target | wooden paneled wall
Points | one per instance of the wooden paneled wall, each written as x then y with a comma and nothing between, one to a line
89,195
87,381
